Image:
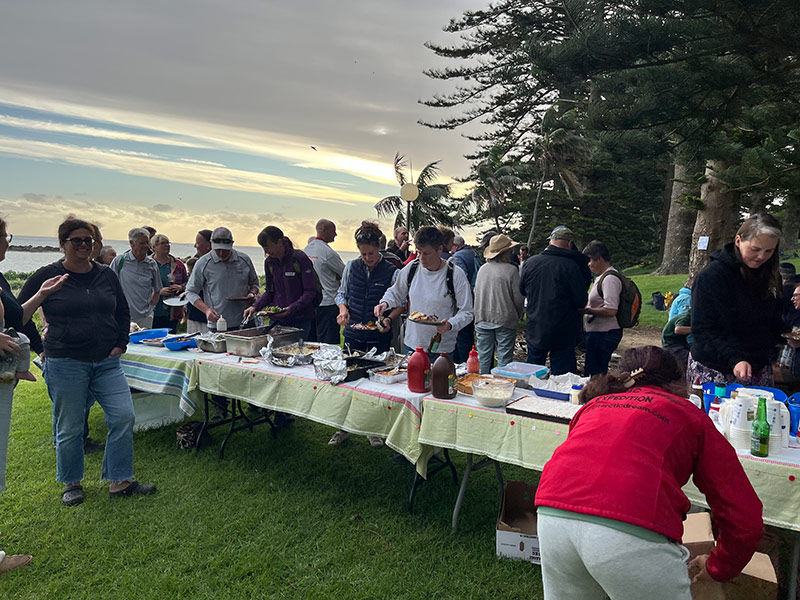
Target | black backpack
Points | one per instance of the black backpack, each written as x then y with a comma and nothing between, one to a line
298,270
451,288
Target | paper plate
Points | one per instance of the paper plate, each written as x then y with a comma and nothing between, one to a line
176,301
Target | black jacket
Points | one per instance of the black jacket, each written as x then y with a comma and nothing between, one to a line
555,283
730,321
13,318
87,317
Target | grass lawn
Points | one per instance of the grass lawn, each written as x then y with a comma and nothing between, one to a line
285,518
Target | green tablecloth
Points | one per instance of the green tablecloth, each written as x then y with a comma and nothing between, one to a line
162,371
362,407
464,425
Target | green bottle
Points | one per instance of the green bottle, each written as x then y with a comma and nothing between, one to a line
759,440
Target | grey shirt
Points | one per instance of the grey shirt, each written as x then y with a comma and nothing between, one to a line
139,281
220,281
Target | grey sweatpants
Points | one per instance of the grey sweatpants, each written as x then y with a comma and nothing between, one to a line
586,561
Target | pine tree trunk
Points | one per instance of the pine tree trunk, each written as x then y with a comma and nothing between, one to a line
791,225
679,225
716,220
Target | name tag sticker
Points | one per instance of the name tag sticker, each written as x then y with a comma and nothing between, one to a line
290,274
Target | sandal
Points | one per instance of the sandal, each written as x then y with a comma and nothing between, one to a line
17,561
134,487
72,495
338,437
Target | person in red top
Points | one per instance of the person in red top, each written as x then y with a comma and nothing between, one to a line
610,505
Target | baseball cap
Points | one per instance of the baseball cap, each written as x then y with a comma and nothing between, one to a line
562,232
221,239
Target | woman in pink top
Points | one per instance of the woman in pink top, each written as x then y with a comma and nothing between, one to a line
603,333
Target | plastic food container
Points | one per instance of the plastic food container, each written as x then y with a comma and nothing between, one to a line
521,372
493,393
147,334
180,345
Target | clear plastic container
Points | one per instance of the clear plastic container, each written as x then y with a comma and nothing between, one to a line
521,372
492,393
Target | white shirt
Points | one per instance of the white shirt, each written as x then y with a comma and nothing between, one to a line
429,295
329,267
612,287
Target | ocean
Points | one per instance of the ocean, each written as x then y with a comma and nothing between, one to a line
25,262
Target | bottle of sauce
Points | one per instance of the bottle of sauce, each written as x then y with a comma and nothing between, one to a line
222,324
443,377
473,363
759,440
419,372
433,347
575,394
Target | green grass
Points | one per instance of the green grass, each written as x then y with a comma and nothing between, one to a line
285,518
648,284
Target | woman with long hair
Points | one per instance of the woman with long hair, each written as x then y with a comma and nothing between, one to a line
736,308
610,503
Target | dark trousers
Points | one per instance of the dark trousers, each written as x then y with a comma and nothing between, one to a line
327,329
561,361
165,322
599,347
464,343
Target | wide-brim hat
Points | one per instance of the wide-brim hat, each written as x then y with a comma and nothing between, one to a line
499,244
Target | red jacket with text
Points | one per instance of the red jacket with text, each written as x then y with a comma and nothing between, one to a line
628,455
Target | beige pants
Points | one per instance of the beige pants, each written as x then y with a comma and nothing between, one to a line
144,322
196,326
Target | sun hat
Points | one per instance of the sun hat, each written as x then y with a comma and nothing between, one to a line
221,239
562,232
499,244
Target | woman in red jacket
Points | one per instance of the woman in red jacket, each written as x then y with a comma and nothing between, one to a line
610,504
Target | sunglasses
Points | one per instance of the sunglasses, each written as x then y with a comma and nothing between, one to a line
222,241
77,241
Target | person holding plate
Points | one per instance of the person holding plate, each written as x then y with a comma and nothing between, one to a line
173,279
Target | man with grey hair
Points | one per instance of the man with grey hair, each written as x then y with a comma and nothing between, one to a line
555,283
107,254
329,268
399,245
139,277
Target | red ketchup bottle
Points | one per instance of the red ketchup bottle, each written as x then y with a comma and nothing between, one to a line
473,364
419,372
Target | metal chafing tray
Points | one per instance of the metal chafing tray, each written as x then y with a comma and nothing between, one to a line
247,342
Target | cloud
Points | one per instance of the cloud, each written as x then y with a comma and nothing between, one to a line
191,173
162,207
202,162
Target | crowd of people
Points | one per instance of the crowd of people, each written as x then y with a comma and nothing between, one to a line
724,329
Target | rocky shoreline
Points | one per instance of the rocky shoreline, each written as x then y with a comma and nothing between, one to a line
34,249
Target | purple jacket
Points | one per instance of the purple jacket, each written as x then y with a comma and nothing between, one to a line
287,287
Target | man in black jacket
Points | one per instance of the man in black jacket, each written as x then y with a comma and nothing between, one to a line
555,284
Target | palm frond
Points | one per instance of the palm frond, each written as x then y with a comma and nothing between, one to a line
389,205
400,165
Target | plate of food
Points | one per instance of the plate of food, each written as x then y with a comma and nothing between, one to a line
155,342
270,310
369,326
423,319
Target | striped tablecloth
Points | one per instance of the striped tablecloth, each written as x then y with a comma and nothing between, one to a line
362,407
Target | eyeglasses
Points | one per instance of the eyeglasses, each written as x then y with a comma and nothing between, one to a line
77,241
793,295
222,241
8,236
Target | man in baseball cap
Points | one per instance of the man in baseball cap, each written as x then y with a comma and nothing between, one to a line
562,232
221,239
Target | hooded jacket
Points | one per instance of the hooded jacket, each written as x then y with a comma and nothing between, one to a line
731,321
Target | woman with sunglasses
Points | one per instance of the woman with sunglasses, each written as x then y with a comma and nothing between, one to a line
16,316
88,322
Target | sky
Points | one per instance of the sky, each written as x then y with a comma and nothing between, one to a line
192,114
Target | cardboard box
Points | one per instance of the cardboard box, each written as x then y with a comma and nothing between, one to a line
516,523
697,535
757,581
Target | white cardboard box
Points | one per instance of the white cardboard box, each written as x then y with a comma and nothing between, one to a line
516,524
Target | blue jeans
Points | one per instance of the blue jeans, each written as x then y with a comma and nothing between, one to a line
486,338
599,346
561,361
6,396
73,385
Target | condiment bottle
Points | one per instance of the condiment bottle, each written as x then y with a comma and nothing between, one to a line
433,347
222,324
575,394
443,377
473,364
759,440
419,372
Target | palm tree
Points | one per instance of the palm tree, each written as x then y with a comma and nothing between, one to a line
494,182
433,206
